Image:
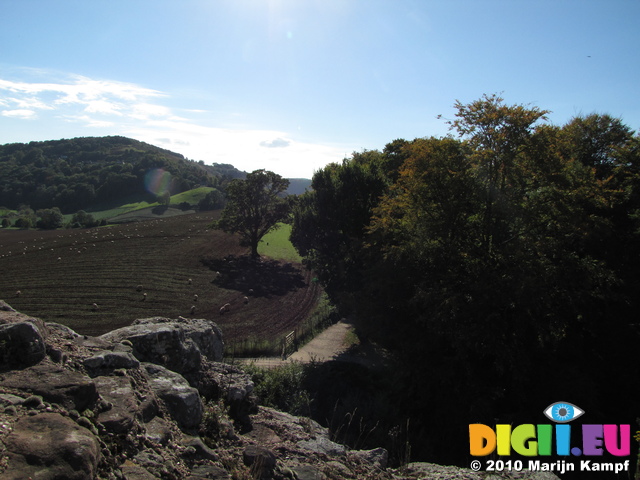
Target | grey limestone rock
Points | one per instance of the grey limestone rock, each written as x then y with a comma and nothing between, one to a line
182,400
107,359
71,389
21,345
50,446
177,344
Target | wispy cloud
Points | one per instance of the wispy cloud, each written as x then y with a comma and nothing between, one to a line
18,113
276,143
119,108
83,94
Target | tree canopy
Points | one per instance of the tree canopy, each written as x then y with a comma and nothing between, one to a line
254,207
487,258
78,173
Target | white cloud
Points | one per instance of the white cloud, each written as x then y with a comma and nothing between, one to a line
127,109
19,113
276,143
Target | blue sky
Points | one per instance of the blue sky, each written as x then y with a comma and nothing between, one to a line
291,85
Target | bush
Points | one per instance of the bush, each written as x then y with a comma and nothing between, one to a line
282,387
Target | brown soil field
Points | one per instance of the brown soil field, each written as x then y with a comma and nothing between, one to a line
61,274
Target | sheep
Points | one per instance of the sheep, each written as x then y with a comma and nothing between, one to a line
195,298
94,307
139,288
225,308
193,309
18,293
246,300
190,281
144,297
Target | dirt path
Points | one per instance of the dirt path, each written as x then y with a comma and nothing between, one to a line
326,346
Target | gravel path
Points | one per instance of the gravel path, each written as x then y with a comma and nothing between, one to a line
326,346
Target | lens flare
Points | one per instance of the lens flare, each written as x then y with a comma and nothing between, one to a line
158,181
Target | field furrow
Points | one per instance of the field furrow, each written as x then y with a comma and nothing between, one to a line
100,279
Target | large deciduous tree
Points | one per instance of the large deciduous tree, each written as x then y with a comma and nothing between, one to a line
254,207
493,264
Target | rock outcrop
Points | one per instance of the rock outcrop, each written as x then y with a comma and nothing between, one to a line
153,401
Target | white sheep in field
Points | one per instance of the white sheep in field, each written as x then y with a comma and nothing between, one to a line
195,298
225,308
193,309
18,293
246,300
94,307
190,281
139,288
144,297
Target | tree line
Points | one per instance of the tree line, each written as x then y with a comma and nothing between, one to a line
499,263
74,174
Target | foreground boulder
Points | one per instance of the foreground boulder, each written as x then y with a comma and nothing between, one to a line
179,344
182,400
56,384
66,449
152,401
21,345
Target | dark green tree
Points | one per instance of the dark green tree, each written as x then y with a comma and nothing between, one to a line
164,199
82,219
254,207
330,221
212,201
50,218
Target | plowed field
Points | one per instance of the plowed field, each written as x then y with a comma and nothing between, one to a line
61,275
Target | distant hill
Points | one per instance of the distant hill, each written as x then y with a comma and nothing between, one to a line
297,186
74,174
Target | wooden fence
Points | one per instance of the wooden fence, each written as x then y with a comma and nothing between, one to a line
289,344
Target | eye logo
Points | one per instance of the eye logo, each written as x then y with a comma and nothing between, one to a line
563,412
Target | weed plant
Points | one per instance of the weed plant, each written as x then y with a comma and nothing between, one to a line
359,406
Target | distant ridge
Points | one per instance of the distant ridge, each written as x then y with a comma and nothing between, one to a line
297,186
74,174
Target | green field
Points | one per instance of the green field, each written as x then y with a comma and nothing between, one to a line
276,244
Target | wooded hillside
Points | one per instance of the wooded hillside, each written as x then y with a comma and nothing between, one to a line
77,173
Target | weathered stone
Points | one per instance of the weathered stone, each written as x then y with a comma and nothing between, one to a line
211,472
182,400
228,382
108,359
378,457
178,345
152,462
5,307
117,391
200,449
431,470
136,472
308,472
260,460
158,431
55,384
21,345
50,446
323,445
9,399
